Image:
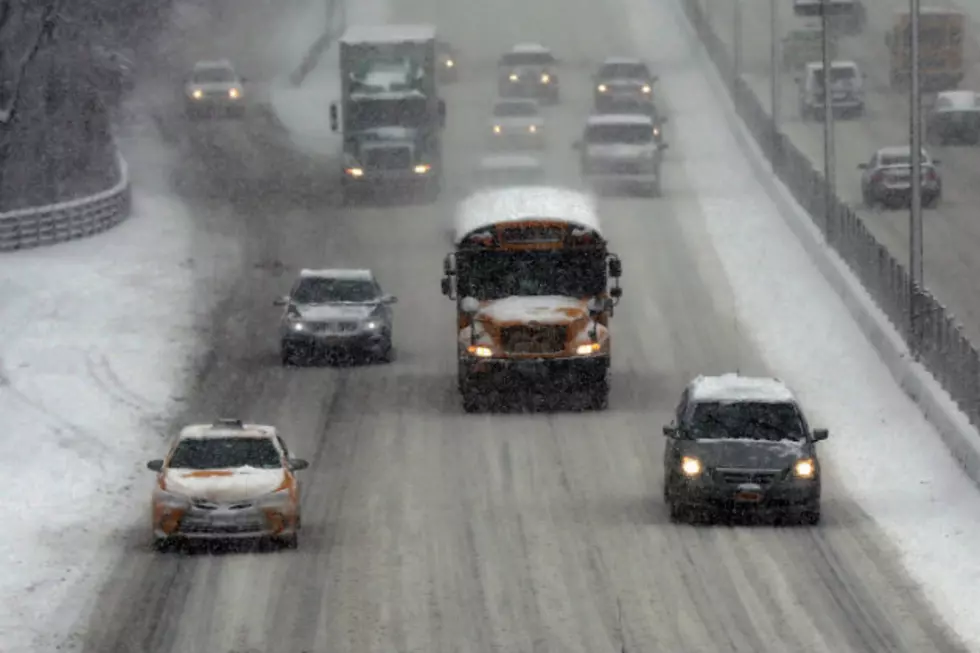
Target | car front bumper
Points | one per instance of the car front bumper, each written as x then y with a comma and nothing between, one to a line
794,494
357,341
196,524
574,373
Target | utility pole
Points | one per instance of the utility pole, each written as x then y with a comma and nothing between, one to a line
737,43
829,157
915,214
774,69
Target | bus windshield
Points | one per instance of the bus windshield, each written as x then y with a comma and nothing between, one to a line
498,274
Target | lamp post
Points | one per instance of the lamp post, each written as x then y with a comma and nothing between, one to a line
737,43
774,69
915,214
829,157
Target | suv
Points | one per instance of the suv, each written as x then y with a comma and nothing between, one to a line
846,90
330,310
622,149
213,88
954,119
739,443
528,70
621,78
226,480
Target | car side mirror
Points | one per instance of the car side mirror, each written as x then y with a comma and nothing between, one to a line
616,292
389,299
469,305
296,464
862,166
155,465
670,431
281,301
334,118
820,434
446,286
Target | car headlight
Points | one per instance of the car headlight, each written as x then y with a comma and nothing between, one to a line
298,325
690,466
533,129
646,90
656,131
197,94
545,78
355,172
422,168
603,88
372,325
450,63
804,468
514,77
165,499
278,499
587,349
234,93
480,351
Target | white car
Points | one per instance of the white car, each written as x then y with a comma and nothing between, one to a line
226,480
517,123
214,89
503,170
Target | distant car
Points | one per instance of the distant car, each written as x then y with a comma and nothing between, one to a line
622,78
509,170
214,89
447,62
528,70
227,480
887,178
335,310
628,106
846,90
517,123
954,119
741,443
621,150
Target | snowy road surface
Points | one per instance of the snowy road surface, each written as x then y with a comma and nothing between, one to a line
428,529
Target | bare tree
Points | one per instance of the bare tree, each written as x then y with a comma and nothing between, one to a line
24,25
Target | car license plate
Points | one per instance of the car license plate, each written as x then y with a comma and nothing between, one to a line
749,493
529,368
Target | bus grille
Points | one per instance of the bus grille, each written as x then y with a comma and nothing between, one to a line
533,340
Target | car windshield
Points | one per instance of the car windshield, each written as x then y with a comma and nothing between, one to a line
515,109
903,159
618,134
493,275
214,75
316,290
747,420
223,453
515,59
836,75
624,71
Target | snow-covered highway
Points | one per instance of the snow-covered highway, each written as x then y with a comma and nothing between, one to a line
429,529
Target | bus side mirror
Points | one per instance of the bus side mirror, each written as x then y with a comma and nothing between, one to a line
469,305
616,292
334,118
447,286
615,268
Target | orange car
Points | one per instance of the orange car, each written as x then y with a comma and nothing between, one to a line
227,480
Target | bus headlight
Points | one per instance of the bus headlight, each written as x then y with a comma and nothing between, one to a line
355,172
586,350
480,351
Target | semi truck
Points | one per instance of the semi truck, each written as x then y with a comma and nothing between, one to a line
390,114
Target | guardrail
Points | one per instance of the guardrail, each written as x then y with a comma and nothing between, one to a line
938,341
57,223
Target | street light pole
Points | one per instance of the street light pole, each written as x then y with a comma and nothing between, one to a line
737,43
915,214
829,157
774,68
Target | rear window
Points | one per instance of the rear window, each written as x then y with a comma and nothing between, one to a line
624,71
836,75
527,59
618,134
515,109
900,159
745,420
225,453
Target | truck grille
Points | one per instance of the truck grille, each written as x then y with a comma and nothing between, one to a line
388,158
739,476
335,327
533,340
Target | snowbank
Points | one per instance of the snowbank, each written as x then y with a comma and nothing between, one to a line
305,110
883,449
96,337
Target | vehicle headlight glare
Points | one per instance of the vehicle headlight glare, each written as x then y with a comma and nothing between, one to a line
804,468
234,93
533,129
371,325
496,129
545,78
514,77
603,88
646,89
450,63
480,351
299,326
197,93
355,172
690,466
585,350
422,168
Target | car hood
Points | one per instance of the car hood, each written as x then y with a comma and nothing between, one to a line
744,453
618,150
325,312
518,121
224,485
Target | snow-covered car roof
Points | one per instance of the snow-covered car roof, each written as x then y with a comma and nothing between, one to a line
226,428
337,273
510,162
530,48
619,119
900,151
356,34
735,387
957,101
486,208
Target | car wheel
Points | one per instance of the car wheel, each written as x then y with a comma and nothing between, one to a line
290,542
810,516
289,355
472,402
163,544
387,353
599,396
931,201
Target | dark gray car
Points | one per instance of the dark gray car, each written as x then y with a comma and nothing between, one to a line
741,443
335,311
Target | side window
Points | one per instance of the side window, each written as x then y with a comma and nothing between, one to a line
681,408
282,445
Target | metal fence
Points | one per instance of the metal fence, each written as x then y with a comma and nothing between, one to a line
56,223
938,341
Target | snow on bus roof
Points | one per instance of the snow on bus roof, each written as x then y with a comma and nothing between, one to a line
356,34
487,208
735,387
338,273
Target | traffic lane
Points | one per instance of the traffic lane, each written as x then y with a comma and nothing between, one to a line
951,234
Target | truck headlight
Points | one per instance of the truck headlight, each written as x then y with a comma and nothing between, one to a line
480,351
234,93
355,172
646,90
690,466
804,468
197,94
422,168
514,77
586,350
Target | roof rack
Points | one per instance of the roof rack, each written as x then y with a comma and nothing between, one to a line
227,422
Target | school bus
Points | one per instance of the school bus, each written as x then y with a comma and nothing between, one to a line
941,33
530,273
